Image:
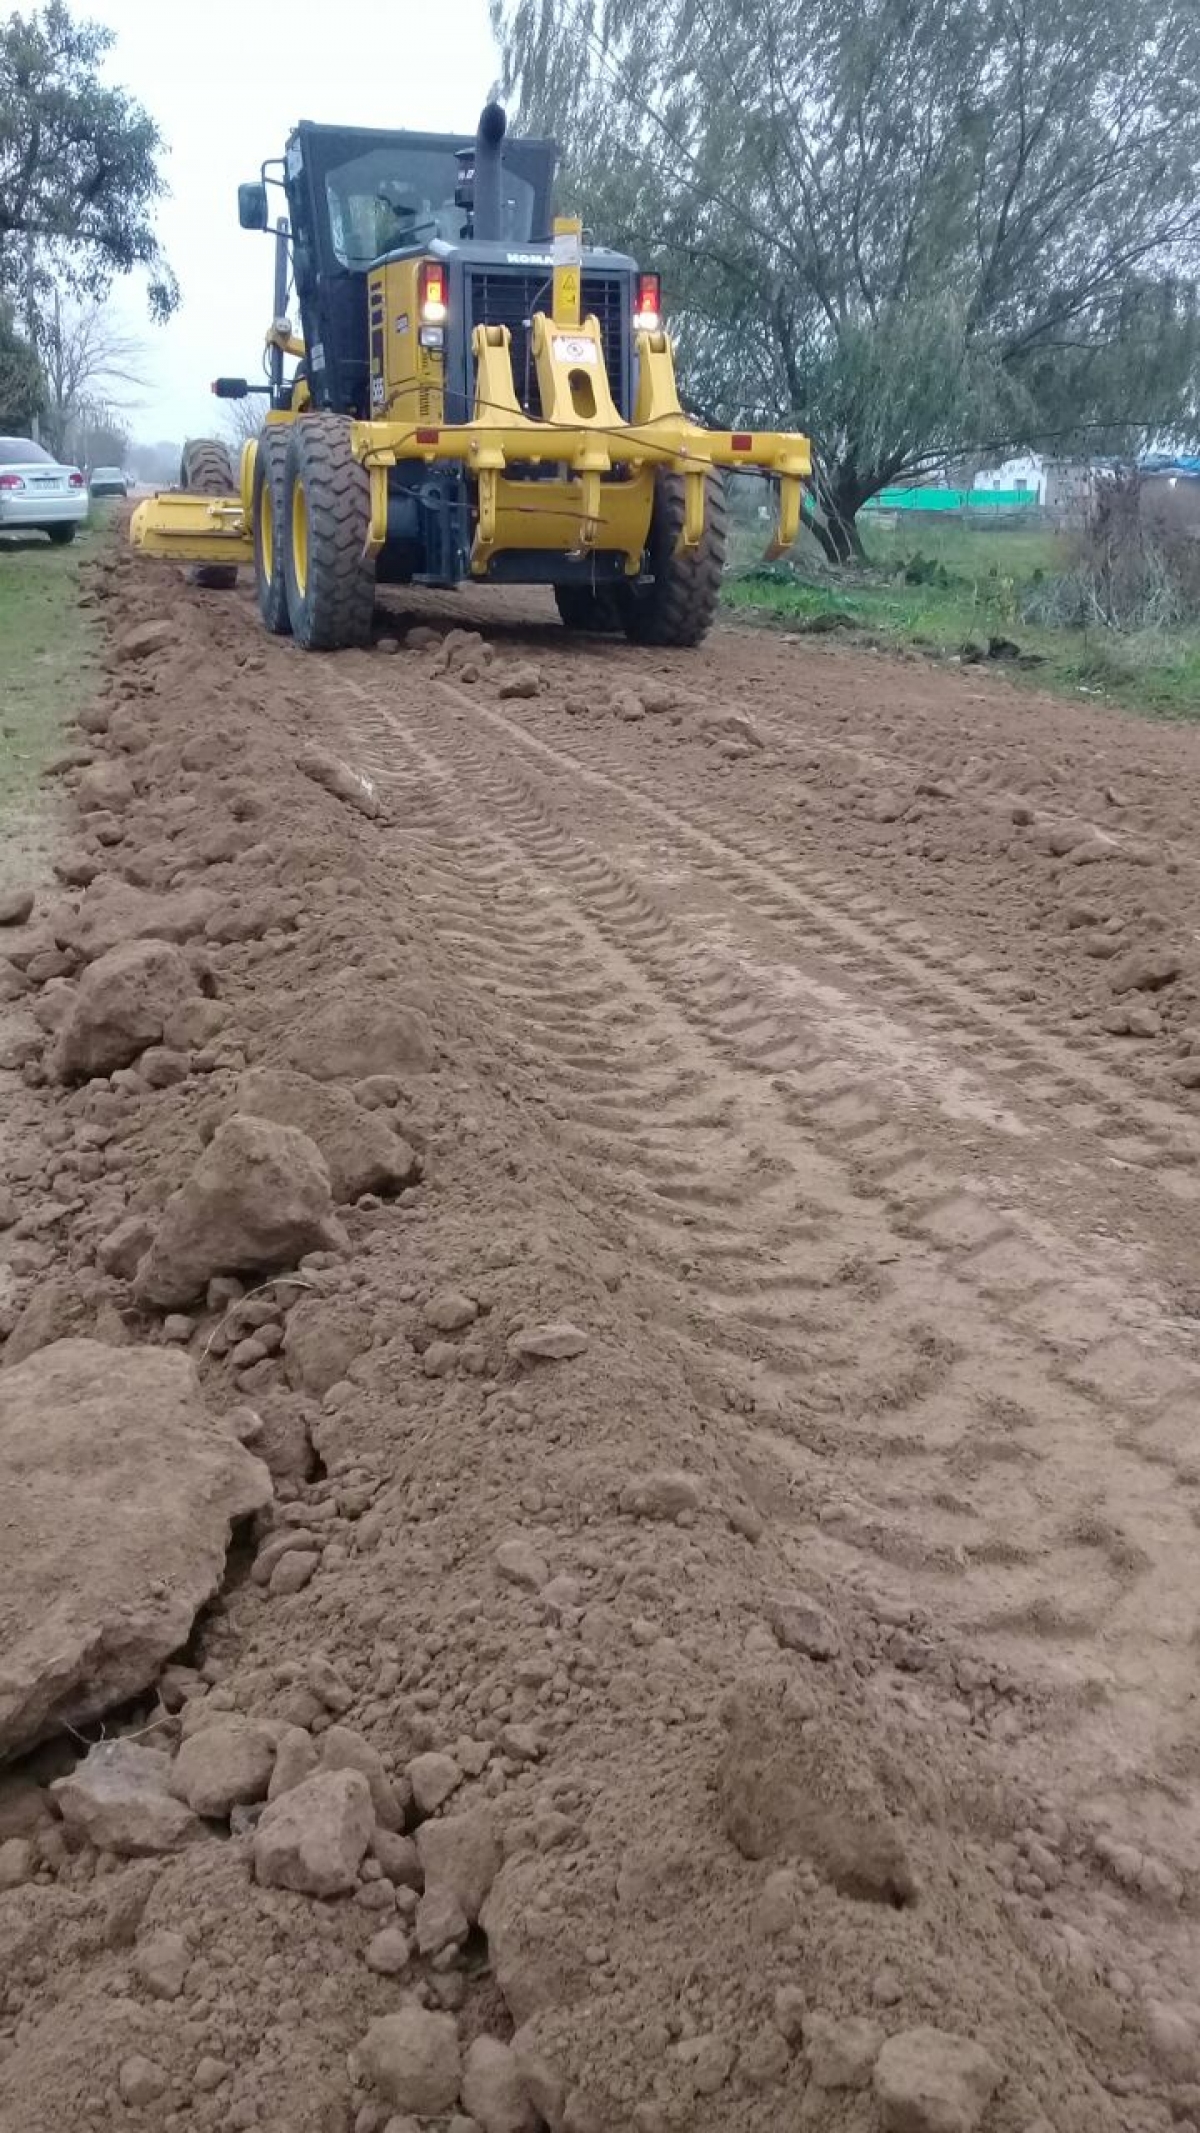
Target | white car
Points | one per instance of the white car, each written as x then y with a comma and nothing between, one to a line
37,494
109,481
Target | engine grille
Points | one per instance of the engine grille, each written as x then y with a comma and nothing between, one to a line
497,297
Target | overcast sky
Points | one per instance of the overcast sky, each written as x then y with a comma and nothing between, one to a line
226,82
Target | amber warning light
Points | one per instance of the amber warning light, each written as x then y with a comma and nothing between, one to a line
647,317
433,292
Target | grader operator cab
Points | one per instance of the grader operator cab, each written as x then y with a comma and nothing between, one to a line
469,393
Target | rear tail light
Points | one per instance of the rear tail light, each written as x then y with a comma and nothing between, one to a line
77,481
11,481
647,316
433,292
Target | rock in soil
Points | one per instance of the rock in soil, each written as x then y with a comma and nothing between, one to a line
258,1197
413,2060
324,1336
313,1837
120,1495
16,905
225,1764
554,1342
119,1799
340,779
461,1853
1145,970
359,1032
361,1151
162,1963
113,911
493,2090
124,1002
143,640
518,682
929,2082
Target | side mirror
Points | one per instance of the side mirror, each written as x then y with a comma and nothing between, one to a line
252,206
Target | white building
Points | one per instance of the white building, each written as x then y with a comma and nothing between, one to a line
1027,474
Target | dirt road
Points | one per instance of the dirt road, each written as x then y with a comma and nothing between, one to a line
817,1041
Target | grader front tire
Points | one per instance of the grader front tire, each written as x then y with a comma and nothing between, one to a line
327,514
207,470
270,530
677,607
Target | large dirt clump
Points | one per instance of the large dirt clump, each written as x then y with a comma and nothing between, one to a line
124,1001
120,1493
258,1197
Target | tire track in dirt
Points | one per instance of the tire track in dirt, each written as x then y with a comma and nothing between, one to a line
969,1004
954,1462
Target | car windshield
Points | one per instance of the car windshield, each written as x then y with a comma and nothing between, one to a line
23,452
395,196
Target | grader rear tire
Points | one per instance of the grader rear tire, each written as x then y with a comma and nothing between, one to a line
327,516
270,530
678,605
207,470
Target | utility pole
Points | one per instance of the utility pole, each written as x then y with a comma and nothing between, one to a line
31,318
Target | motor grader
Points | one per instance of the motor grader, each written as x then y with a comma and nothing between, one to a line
470,393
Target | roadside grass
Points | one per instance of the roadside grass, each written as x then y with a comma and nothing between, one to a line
46,647
942,585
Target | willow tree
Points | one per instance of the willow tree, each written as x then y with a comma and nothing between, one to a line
80,165
917,228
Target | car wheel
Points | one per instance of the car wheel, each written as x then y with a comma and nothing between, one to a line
61,535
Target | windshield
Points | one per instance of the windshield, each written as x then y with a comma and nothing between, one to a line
395,196
23,452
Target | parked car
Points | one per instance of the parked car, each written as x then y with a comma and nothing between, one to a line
37,494
109,481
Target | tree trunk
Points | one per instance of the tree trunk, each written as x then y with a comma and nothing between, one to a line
837,531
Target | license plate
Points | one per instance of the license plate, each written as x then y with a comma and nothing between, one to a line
574,348
47,481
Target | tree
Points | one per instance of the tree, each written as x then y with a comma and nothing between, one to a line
241,421
98,436
22,386
913,227
85,358
79,162
156,463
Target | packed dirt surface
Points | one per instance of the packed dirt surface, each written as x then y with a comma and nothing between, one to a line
658,1198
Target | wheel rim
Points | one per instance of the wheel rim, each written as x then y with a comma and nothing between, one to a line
266,533
300,538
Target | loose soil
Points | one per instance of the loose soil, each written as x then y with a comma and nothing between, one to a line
746,1453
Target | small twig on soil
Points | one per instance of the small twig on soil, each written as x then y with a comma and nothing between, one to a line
279,1281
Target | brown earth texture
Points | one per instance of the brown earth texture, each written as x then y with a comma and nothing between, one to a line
599,1393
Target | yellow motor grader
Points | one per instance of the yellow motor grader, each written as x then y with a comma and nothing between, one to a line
471,394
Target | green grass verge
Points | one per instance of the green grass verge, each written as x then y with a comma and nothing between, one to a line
943,585
46,647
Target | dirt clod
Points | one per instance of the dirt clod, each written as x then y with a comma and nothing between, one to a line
119,1798
554,1342
222,1766
312,1838
519,682
493,2090
143,640
120,1494
258,1197
123,1004
413,2060
929,2082
16,905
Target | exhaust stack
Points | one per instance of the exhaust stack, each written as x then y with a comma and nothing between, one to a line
489,199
